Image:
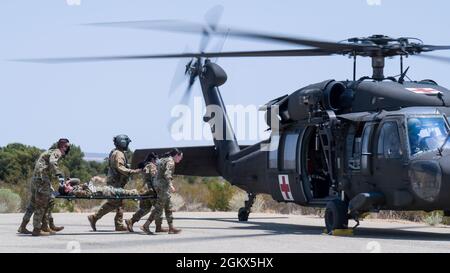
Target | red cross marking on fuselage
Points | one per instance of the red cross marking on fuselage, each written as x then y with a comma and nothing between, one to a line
284,186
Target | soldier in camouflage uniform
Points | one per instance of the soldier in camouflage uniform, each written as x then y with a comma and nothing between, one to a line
164,186
145,205
42,201
74,188
48,224
118,176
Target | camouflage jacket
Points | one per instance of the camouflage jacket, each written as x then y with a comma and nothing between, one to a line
46,166
150,172
118,171
164,177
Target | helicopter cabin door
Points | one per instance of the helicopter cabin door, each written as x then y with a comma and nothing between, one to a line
283,171
361,137
390,154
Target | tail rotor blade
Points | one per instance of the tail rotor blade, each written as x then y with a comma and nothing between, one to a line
187,92
204,40
219,46
212,18
180,74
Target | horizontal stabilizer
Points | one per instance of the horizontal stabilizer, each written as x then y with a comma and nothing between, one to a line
197,160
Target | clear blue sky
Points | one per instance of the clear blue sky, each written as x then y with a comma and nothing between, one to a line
91,102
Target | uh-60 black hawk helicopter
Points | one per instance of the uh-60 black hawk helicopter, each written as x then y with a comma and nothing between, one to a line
353,146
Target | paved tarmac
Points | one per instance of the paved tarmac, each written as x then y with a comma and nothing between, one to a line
221,232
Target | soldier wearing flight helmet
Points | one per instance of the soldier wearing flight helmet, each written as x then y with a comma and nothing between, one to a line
118,176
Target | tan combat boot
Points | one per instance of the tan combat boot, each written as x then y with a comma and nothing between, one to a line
45,228
39,232
173,230
146,227
130,223
121,228
23,228
53,227
159,228
92,220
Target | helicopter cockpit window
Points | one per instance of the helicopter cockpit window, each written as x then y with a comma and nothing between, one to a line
389,141
426,133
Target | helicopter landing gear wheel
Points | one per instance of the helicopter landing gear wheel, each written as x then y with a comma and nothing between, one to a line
336,216
244,212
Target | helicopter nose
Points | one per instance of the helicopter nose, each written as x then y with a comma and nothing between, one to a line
426,178
444,163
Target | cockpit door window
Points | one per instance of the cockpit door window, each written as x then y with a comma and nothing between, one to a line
389,145
426,133
366,151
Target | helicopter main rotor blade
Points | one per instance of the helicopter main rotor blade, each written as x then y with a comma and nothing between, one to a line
190,27
264,53
169,25
434,47
434,58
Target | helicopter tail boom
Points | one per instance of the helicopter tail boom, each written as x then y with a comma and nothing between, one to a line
211,77
197,160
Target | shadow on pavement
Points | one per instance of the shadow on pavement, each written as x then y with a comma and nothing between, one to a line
271,228
360,232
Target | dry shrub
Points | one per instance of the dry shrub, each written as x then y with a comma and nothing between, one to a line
237,200
195,195
9,201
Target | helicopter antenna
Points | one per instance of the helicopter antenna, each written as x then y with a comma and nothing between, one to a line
401,64
354,66
403,75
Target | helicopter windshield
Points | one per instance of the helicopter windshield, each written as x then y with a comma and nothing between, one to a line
426,133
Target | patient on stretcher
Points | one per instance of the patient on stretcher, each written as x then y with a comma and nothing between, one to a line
73,187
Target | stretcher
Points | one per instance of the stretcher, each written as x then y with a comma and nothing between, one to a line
71,197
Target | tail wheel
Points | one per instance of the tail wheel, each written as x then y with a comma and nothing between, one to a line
243,214
336,216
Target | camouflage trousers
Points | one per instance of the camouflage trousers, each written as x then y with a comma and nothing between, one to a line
31,208
163,203
109,206
145,206
41,202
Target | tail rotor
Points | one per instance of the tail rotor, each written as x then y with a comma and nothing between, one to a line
193,67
